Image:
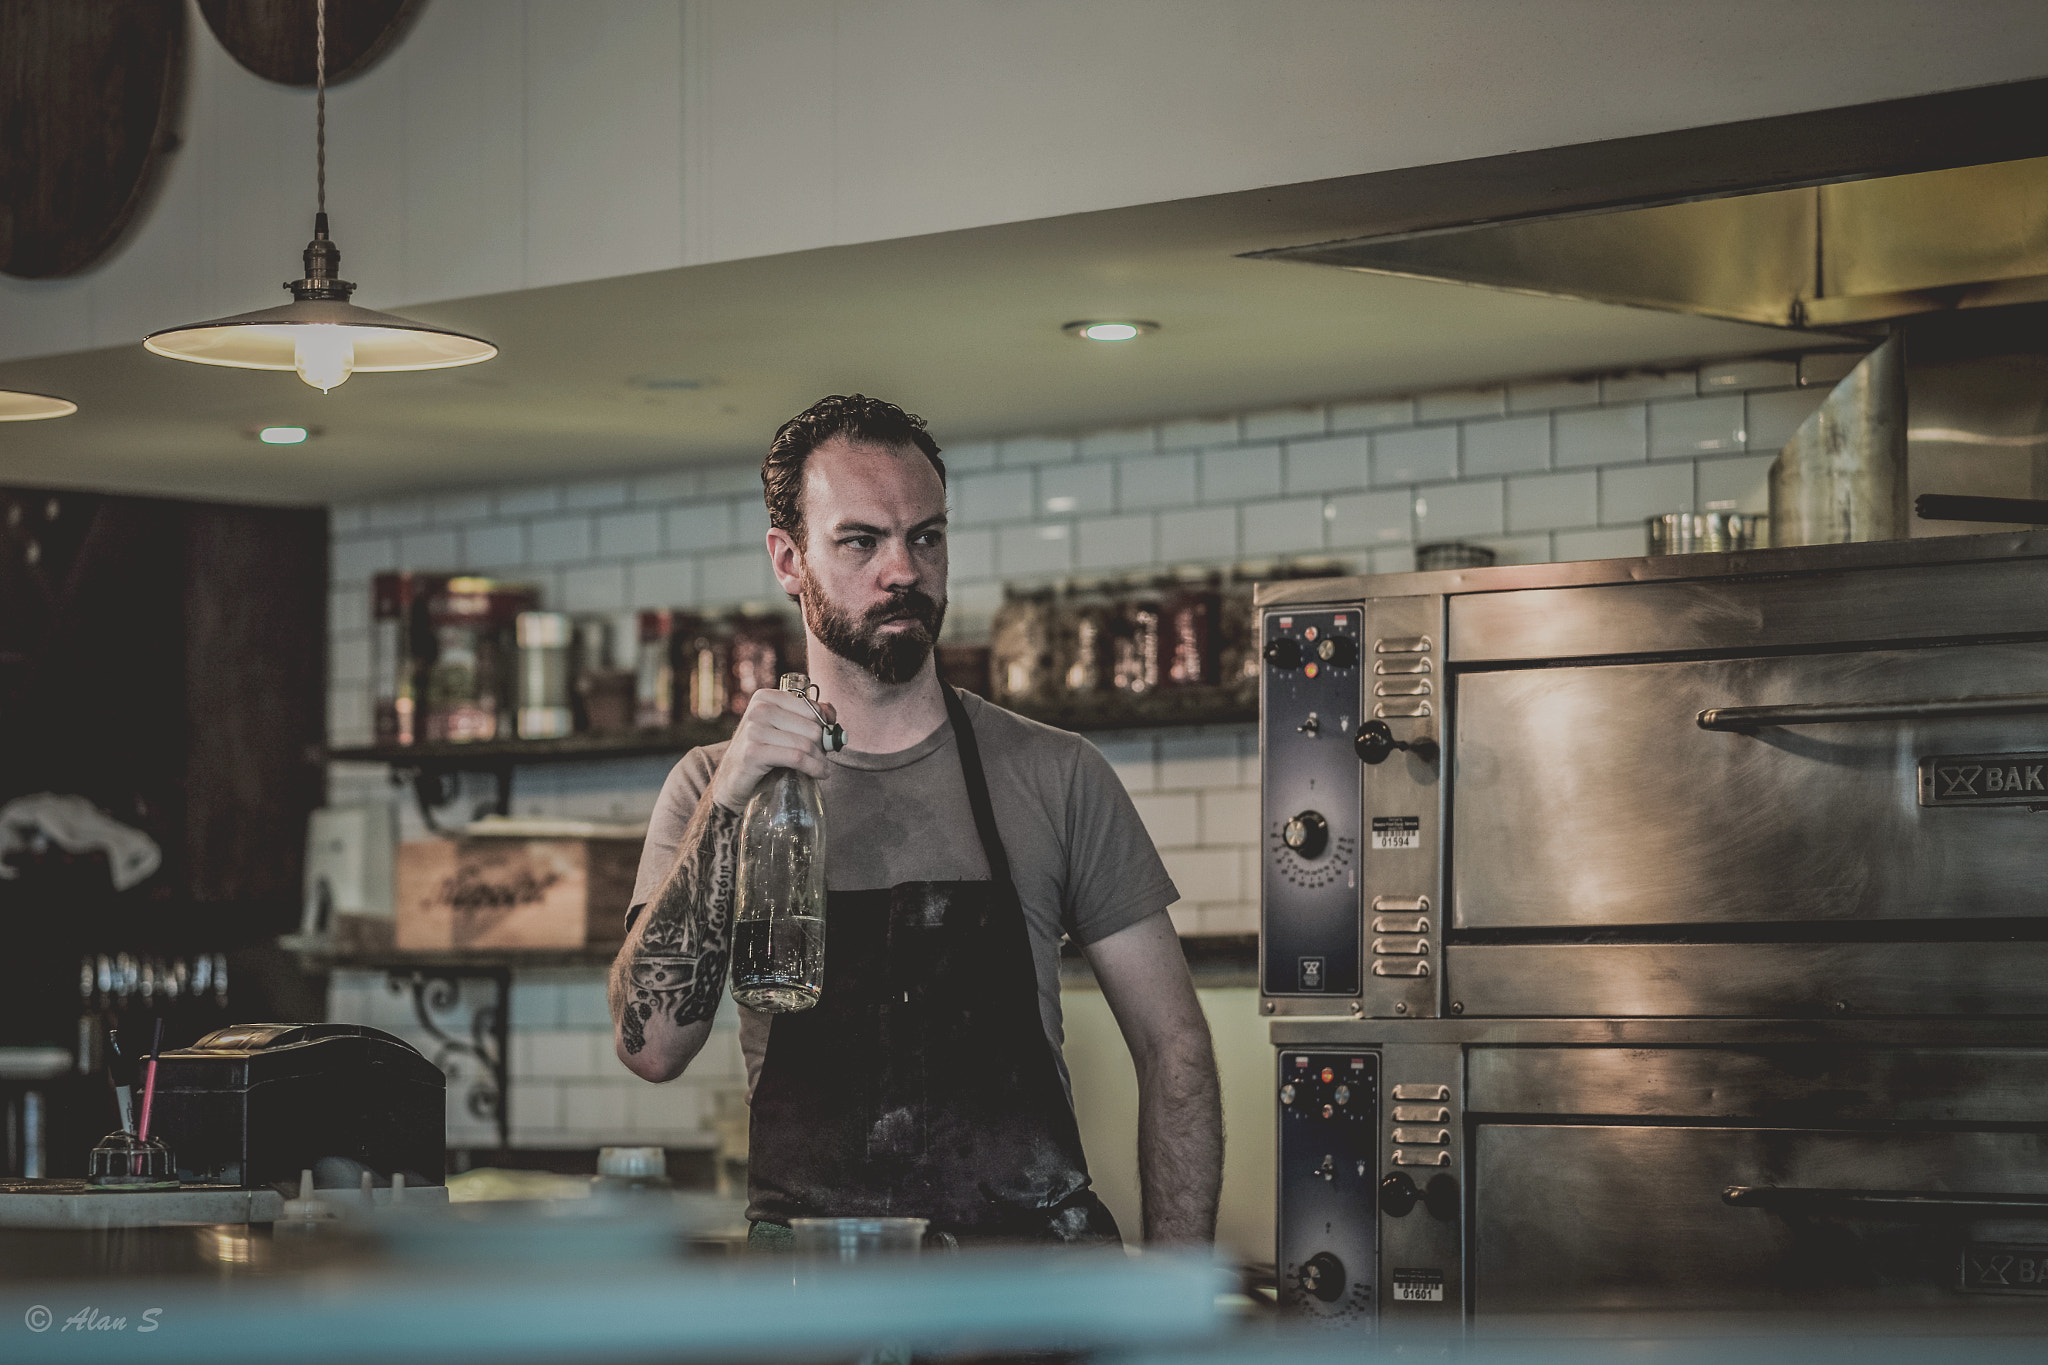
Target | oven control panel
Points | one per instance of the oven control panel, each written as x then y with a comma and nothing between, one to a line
1351,766
1327,1258
1310,709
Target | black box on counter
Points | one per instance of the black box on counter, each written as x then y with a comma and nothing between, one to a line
255,1104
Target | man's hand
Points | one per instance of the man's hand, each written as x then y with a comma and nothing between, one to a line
778,731
1144,978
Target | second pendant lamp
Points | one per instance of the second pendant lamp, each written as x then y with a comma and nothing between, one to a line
320,333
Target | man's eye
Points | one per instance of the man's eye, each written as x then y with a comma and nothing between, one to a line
860,542
931,537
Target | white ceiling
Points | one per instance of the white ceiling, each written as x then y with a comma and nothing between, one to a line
961,326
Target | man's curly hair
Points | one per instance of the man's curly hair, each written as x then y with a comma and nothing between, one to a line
854,416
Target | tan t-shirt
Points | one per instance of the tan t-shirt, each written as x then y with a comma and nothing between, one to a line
1083,864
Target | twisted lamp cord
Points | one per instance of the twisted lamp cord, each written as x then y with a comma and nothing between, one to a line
320,97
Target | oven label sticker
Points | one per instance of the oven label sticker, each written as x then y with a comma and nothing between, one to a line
1399,831
1989,1268
1984,780
1311,977
1418,1286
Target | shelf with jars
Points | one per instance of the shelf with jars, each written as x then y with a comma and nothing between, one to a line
1145,650
471,676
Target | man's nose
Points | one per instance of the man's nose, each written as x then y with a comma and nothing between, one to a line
898,569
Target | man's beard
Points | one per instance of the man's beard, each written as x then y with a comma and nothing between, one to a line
892,657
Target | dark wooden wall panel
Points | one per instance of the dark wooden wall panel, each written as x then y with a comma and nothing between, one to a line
167,661
92,658
255,691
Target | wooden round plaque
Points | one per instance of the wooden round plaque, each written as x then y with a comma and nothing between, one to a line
89,97
274,38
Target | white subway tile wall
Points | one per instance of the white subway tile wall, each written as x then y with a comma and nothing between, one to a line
1507,447
1366,475
1267,483
1547,469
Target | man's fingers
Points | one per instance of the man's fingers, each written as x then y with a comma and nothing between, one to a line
775,750
781,711
801,733
777,731
781,723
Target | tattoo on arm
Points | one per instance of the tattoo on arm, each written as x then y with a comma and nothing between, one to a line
677,971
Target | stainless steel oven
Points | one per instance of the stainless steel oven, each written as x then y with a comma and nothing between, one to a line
1675,931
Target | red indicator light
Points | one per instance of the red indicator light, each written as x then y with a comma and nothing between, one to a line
1309,634
1328,1075
1309,669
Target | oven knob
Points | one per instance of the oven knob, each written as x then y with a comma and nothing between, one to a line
1338,651
1398,1195
1375,744
1307,834
1287,1093
1323,1276
1284,653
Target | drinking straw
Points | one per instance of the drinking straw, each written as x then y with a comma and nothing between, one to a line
149,1081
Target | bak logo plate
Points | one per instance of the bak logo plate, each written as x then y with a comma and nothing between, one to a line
1984,780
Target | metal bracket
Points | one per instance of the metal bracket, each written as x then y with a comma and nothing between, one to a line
437,990
436,784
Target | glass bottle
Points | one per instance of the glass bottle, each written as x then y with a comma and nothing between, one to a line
778,957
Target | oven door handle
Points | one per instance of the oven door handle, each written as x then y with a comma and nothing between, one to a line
1748,719
1880,1202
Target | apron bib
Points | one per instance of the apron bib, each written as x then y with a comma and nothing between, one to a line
921,1084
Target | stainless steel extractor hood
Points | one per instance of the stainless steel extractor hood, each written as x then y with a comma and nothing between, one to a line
1825,256
1951,266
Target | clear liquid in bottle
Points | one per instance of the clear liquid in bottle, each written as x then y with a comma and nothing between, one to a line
778,958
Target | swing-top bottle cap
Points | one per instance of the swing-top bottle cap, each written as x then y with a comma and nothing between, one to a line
830,735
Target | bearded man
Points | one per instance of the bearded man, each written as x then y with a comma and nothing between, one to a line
963,843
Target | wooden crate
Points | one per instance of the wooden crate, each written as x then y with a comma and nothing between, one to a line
498,893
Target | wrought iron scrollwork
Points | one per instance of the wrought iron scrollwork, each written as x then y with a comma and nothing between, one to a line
480,1058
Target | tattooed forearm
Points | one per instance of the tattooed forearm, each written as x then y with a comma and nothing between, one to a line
676,968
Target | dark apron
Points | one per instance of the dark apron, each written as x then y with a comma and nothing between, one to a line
921,1084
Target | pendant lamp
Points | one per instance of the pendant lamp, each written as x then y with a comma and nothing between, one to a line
320,333
16,406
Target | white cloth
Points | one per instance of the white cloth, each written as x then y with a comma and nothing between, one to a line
75,825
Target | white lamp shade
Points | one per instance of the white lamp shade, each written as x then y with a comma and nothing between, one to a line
269,338
16,406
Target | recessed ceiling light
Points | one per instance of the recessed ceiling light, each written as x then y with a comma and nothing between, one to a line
283,436
1109,331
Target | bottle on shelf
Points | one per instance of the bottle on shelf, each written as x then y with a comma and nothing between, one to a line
1082,629
1021,654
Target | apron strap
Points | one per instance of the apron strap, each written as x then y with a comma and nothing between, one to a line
977,791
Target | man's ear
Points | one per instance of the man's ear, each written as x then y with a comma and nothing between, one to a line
787,559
